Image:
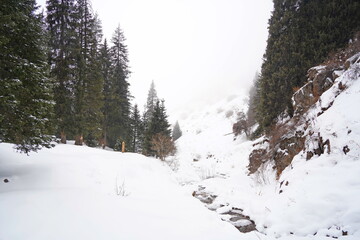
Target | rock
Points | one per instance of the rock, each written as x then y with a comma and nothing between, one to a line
322,82
303,98
256,158
352,60
320,79
287,148
6,180
309,155
237,218
336,74
227,213
247,228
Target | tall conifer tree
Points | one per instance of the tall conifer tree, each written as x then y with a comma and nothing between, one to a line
61,26
106,70
136,130
118,117
25,98
151,100
93,92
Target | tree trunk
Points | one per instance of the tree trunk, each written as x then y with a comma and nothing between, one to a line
79,140
104,140
63,137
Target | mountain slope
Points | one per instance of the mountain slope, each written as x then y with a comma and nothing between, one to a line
315,196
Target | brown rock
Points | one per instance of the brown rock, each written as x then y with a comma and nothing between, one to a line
256,158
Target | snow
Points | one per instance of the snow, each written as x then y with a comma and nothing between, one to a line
72,192
313,199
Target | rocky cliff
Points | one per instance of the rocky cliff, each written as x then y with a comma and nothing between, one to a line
300,134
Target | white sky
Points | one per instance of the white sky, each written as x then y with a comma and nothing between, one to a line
197,51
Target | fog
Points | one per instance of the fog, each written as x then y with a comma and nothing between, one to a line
196,51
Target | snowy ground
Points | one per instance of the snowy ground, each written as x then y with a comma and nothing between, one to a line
314,199
72,192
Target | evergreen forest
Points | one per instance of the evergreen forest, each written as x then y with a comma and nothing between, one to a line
301,35
62,80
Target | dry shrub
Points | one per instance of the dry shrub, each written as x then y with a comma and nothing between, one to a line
163,146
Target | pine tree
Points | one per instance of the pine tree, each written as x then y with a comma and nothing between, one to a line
93,93
89,82
158,125
136,131
84,34
25,91
176,133
253,101
301,35
152,98
106,69
61,27
118,117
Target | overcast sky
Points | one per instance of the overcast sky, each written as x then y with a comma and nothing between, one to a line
196,51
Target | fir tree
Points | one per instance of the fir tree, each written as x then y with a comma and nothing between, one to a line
158,125
61,27
84,34
176,133
106,69
93,92
152,98
136,130
118,117
25,92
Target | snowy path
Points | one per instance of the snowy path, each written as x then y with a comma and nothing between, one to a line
71,192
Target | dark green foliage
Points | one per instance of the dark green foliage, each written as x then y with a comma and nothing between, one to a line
106,68
74,57
93,92
253,101
176,133
118,104
158,125
62,55
137,131
25,90
301,35
89,81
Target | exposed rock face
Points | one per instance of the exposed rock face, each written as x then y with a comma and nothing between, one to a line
287,149
288,137
256,158
320,79
281,149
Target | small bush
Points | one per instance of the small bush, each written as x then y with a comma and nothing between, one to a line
163,146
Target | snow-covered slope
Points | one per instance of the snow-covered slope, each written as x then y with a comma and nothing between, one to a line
207,147
72,192
313,199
